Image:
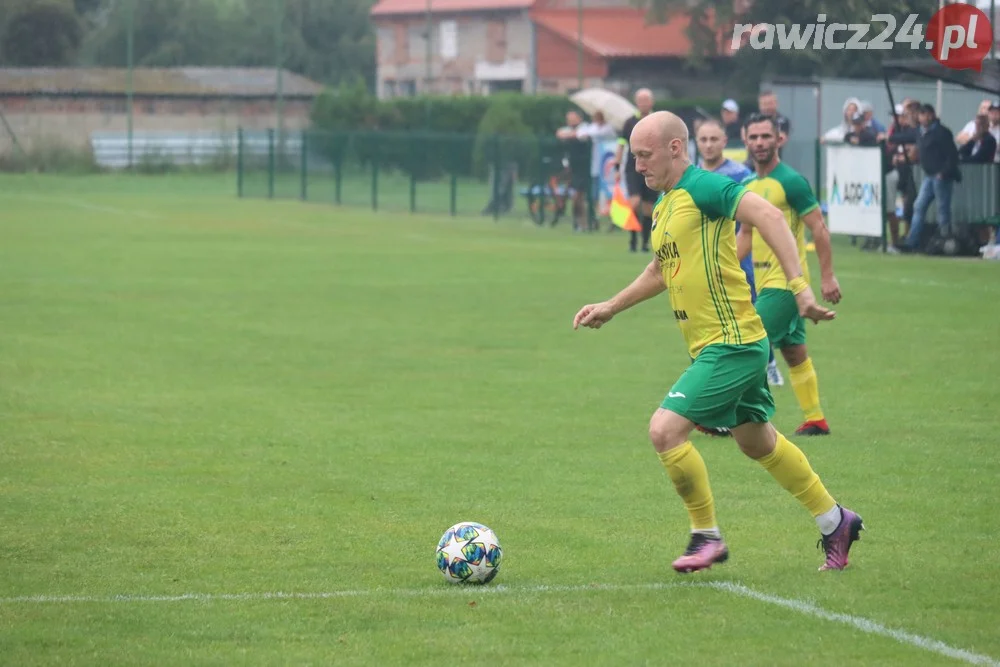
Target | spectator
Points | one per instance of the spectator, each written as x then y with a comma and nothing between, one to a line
982,147
767,104
909,138
901,153
969,130
578,159
939,162
836,134
871,121
860,134
596,131
994,115
731,121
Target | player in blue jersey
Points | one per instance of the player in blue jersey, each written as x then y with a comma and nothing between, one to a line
711,140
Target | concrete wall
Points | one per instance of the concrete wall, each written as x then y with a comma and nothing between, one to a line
41,121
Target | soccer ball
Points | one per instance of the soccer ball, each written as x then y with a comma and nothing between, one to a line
469,553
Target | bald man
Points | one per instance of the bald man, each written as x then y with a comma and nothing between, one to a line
640,196
694,241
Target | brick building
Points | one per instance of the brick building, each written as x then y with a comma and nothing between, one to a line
484,46
66,105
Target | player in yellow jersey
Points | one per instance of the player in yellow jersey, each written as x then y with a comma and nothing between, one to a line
784,187
694,240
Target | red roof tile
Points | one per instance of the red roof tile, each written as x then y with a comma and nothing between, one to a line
399,7
621,32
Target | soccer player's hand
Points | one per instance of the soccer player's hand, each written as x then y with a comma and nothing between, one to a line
809,309
593,315
831,290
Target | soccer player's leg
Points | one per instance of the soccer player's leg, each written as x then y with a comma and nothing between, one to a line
787,331
759,440
701,396
707,394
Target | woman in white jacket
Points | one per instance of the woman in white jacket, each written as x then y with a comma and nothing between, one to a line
837,133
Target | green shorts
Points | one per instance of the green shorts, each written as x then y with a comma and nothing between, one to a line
780,315
726,386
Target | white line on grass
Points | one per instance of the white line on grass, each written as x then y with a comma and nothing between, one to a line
85,205
800,606
857,622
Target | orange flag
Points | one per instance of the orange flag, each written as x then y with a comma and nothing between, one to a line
621,213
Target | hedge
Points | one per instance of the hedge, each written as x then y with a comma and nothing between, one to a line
427,136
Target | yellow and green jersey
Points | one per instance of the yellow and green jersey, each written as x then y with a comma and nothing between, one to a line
694,239
791,193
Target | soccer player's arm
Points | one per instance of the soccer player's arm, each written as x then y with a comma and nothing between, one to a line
752,209
647,284
744,236
800,198
744,241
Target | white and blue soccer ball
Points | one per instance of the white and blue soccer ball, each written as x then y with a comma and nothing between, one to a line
469,553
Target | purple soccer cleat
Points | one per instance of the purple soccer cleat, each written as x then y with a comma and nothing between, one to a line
702,552
837,544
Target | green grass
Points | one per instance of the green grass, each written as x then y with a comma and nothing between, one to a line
206,395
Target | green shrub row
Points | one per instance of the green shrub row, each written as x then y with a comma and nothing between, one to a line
428,136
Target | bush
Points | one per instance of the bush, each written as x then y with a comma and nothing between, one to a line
51,157
518,143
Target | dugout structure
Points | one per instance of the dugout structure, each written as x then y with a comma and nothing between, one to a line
976,201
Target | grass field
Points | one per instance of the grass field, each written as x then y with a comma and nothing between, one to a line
234,430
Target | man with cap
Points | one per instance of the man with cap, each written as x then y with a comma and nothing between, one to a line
861,132
871,121
731,120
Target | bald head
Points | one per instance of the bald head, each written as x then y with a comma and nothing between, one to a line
663,127
660,145
644,100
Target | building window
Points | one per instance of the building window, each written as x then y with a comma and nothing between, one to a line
417,38
386,40
448,39
406,88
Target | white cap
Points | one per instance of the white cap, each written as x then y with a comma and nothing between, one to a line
899,108
731,105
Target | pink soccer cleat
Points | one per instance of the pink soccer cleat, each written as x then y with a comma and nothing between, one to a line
837,544
702,552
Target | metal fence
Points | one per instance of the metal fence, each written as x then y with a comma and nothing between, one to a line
484,175
441,173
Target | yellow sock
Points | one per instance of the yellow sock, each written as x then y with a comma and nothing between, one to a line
806,387
789,466
690,476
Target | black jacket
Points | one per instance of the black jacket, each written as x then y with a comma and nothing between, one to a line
981,151
938,153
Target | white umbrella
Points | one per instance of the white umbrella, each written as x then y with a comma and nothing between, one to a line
616,108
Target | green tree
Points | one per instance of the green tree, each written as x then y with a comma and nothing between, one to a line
43,33
712,17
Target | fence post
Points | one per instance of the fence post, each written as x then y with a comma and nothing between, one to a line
270,163
542,184
454,194
413,178
819,170
375,146
497,166
338,162
239,162
882,164
304,194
